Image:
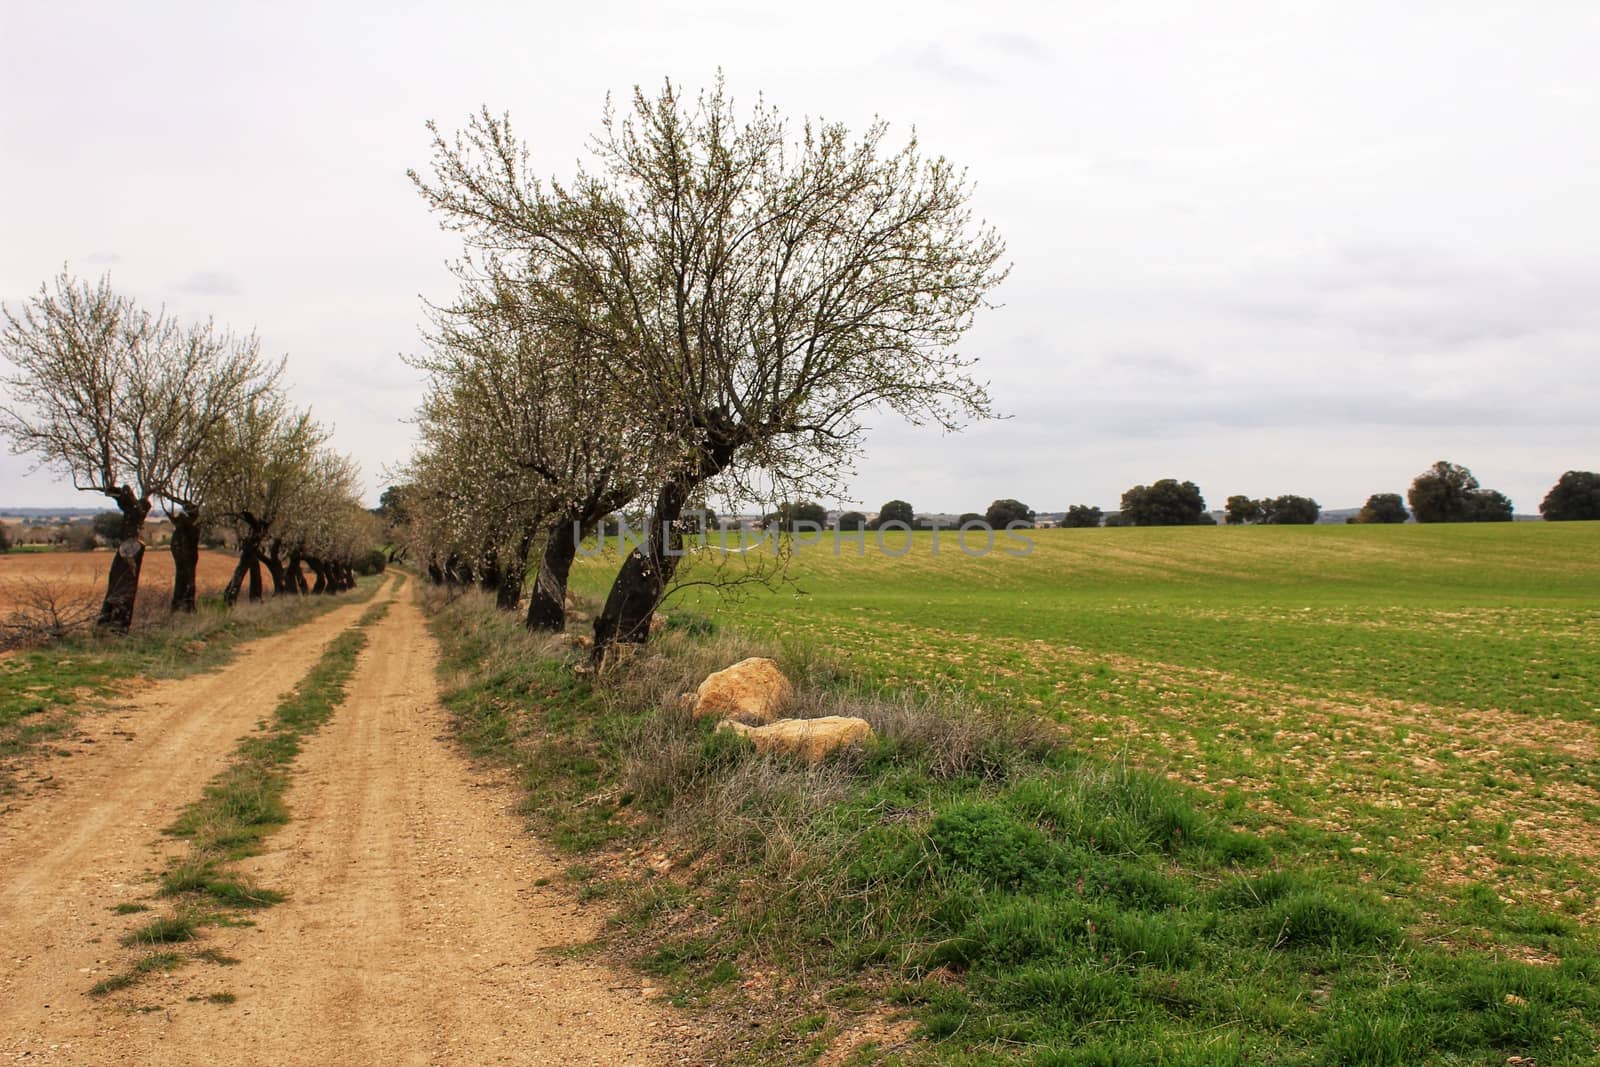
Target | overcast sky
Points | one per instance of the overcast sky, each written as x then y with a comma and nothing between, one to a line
1275,247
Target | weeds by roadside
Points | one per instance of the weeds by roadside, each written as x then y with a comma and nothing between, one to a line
1022,900
239,808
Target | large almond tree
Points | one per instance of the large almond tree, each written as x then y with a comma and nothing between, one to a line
751,290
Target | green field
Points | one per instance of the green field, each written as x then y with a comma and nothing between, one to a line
1304,796
1425,698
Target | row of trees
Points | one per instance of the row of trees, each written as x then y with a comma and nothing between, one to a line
150,411
706,311
1443,493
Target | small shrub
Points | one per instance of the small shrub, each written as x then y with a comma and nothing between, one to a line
989,842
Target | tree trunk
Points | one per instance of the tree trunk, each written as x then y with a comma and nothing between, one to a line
249,550
185,559
489,571
547,603
295,576
255,580
122,584
509,594
274,562
642,581
321,571
435,572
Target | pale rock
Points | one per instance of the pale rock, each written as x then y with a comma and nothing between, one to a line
751,691
811,739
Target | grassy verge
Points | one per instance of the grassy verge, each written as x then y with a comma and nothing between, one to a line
976,885
43,690
239,808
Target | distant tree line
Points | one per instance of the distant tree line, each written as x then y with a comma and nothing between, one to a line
1445,492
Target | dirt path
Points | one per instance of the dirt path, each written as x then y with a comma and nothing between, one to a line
413,932
84,839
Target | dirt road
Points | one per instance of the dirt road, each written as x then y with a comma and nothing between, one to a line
413,932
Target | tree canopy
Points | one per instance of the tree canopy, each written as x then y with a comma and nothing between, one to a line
1575,496
1383,508
895,511
1082,516
1448,492
1241,510
1002,513
1167,502
1290,510
792,514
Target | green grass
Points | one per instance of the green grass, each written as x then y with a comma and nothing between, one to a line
1425,698
241,806
43,690
1326,796
156,961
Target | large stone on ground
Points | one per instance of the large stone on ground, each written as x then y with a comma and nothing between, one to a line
811,739
753,690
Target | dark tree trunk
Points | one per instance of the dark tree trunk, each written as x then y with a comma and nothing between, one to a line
185,559
642,581
122,584
255,580
274,561
509,594
320,569
489,571
547,603
295,576
435,572
249,554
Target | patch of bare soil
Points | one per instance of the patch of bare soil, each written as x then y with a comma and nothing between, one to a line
80,577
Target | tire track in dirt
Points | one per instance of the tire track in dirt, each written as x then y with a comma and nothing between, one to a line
413,932
72,852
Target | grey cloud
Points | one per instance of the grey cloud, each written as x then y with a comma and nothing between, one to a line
210,283
1416,299
1017,44
937,61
